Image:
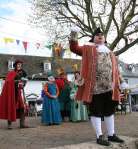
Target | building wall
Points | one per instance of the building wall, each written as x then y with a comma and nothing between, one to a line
133,82
34,86
31,87
35,64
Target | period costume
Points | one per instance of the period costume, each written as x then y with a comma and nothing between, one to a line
51,107
64,96
89,55
12,101
78,109
101,83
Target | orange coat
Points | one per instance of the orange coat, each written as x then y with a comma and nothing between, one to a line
88,71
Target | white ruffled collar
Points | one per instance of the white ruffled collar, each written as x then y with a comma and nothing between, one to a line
101,48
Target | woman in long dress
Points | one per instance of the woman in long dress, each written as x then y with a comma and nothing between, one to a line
51,108
78,109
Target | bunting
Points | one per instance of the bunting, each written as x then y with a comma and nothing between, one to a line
17,41
57,47
37,45
25,43
8,40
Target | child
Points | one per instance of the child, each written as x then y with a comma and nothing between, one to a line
51,108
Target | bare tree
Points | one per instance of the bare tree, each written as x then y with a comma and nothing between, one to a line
117,18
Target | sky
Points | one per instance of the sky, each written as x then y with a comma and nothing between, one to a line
14,24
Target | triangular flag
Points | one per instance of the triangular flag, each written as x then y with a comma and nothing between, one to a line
5,40
25,45
37,45
8,40
17,41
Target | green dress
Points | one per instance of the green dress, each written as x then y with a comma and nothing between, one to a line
78,109
64,100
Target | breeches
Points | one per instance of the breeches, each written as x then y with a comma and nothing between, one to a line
102,105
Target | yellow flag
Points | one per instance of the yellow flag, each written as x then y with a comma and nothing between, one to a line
8,40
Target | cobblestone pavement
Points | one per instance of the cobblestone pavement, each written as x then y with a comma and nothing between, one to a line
44,137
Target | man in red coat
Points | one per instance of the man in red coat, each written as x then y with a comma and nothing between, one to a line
101,83
12,104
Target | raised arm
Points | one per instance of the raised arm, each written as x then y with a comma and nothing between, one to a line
73,41
75,48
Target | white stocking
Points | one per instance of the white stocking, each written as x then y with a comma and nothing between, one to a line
109,122
96,122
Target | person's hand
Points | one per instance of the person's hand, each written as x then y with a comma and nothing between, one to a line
54,96
20,84
74,34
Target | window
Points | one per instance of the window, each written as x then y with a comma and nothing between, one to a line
10,65
126,80
1,85
47,66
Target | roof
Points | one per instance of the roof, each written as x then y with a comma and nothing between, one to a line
33,65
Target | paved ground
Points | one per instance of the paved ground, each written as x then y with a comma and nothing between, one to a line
44,137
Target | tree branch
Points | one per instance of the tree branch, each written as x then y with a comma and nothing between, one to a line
125,48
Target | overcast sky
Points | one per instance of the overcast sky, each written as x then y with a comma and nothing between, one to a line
13,23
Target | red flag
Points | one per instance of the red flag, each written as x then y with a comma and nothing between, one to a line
25,43
37,45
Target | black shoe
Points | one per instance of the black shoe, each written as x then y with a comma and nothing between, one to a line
115,138
9,127
9,124
102,141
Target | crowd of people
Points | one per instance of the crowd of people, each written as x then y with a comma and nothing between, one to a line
58,96
92,94
59,102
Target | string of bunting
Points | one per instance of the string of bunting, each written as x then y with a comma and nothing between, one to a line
58,48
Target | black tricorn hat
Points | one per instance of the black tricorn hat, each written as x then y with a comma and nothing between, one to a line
97,31
16,62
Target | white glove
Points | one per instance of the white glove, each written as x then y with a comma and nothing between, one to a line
75,29
74,34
